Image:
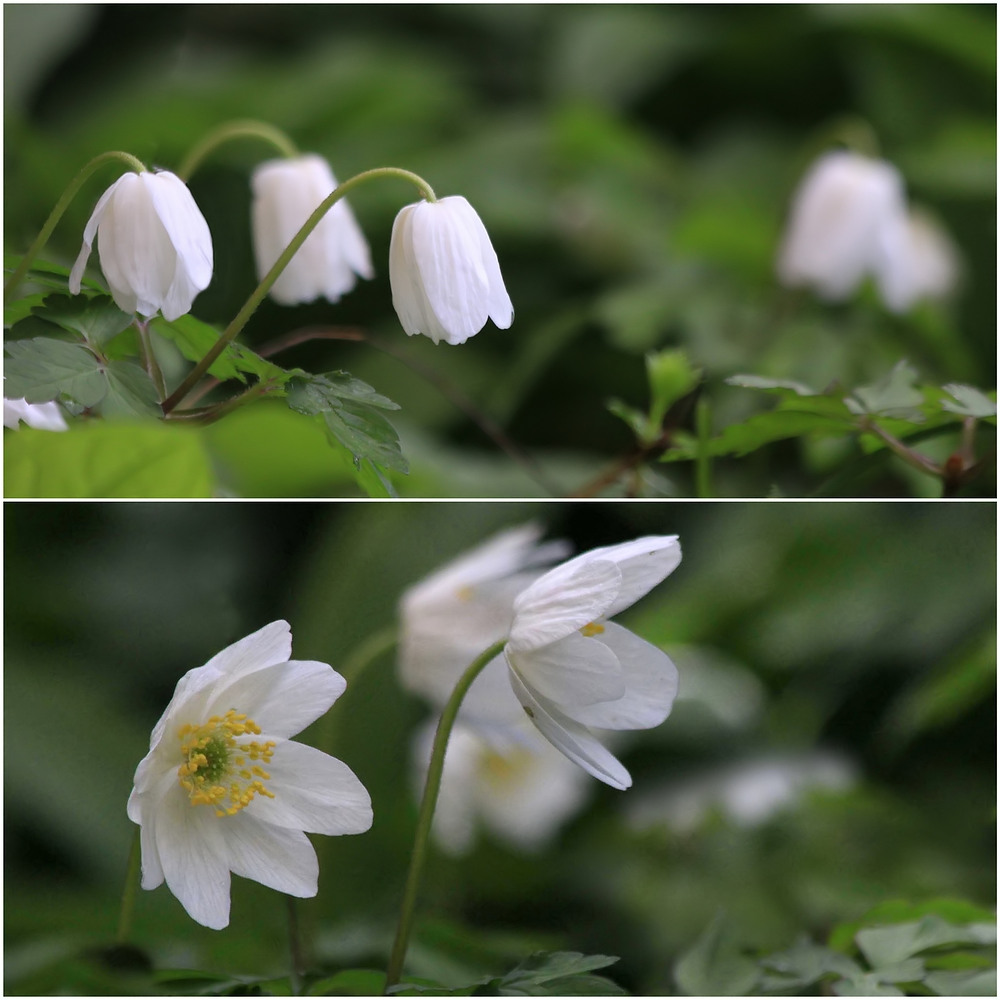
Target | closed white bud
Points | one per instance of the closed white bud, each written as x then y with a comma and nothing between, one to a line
925,265
153,242
285,193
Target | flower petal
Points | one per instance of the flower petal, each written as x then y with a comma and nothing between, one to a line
268,645
643,563
563,600
313,792
282,698
650,685
185,225
408,297
89,232
281,859
575,670
499,306
572,739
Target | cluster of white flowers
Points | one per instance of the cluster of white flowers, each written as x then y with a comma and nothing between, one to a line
155,250
850,221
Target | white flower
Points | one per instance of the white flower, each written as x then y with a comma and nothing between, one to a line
285,193
43,416
444,273
223,788
514,784
571,668
844,224
924,266
450,617
153,242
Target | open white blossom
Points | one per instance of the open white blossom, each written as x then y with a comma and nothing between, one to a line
444,272
285,193
513,784
224,789
925,266
454,614
42,416
153,242
845,224
571,668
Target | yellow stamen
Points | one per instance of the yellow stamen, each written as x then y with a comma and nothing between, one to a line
589,631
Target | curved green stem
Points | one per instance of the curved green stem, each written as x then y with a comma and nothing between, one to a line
257,296
130,891
426,815
703,460
242,129
61,205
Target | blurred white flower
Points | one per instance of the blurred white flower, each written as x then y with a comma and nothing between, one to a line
454,614
571,668
223,788
153,242
444,273
924,266
514,784
285,193
747,793
43,416
844,224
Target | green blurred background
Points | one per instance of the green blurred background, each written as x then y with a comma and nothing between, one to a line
865,632
633,165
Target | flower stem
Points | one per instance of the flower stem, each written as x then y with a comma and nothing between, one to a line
295,947
242,129
149,358
129,893
241,319
426,815
61,205
908,455
703,460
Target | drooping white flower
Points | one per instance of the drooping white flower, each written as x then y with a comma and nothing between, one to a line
43,416
153,242
571,668
444,272
285,193
844,224
224,789
454,614
514,784
924,266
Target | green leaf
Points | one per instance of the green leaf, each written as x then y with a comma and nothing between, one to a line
41,279
977,983
131,392
968,401
895,395
309,393
97,319
349,983
770,384
41,369
671,377
714,965
101,459
898,911
803,965
895,943
866,985
557,973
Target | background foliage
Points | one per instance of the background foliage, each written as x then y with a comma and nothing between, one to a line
633,165
862,632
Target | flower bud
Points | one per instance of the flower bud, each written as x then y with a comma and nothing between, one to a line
925,266
153,242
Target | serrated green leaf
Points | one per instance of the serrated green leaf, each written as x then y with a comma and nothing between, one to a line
40,281
898,911
39,370
313,394
804,964
884,946
714,965
671,377
96,318
968,401
545,965
131,392
574,986
895,395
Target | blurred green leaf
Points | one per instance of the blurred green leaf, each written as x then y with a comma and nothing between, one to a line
96,318
349,983
714,965
969,401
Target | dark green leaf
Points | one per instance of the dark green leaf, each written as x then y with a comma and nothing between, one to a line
714,965
131,392
349,983
41,279
97,319
40,370
318,393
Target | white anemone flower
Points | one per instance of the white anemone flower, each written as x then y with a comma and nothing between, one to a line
223,788
285,193
153,242
926,265
571,668
444,272
42,416
461,609
844,224
515,785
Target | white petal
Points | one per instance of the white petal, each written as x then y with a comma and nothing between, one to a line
89,232
313,792
268,645
570,738
185,225
282,698
563,600
499,306
643,563
281,859
575,670
650,685
152,870
191,850
408,297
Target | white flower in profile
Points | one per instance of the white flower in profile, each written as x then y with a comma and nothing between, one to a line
224,789
285,193
514,784
925,265
153,242
454,614
42,416
444,272
844,224
571,668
